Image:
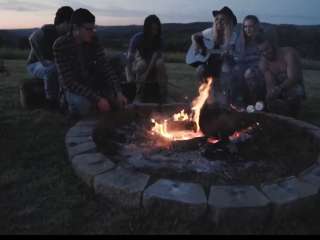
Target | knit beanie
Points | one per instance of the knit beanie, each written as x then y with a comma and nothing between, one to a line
81,16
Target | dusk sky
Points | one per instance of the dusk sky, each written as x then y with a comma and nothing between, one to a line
35,13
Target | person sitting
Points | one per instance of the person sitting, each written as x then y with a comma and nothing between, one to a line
146,63
3,68
220,40
40,63
249,83
283,77
89,82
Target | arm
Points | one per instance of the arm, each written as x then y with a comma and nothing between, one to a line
133,45
129,72
151,65
109,75
197,40
197,37
268,77
67,73
36,42
294,70
105,68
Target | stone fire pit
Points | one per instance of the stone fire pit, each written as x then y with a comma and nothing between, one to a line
186,184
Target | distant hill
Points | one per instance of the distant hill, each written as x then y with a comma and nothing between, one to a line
177,36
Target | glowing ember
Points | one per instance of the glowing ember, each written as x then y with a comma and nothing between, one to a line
213,140
241,135
244,133
161,128
182,116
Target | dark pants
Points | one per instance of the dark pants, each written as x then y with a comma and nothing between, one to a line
49,75
287,107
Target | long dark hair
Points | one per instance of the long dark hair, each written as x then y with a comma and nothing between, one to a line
254,19
243,40
150,42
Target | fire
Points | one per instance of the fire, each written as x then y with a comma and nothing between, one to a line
244,133
198,103
181,116
161,128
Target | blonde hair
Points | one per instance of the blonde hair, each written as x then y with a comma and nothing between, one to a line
227,32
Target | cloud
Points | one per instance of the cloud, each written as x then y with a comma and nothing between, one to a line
128,11
22,6
110,11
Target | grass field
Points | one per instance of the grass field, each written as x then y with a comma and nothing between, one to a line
40,194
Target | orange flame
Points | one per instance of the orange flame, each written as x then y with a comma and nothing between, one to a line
181,116
198,103
161,128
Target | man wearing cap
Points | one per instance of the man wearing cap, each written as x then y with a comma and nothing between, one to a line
88,79
220,38
40,63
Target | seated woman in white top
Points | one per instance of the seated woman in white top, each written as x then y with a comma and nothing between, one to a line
210,48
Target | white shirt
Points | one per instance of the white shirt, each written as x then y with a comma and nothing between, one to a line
209,41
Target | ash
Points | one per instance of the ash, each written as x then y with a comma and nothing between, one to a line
142,151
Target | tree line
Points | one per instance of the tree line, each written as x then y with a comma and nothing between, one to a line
306,39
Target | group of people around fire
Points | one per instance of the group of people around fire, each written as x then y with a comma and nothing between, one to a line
247,65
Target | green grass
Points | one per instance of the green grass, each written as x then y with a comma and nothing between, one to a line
13,53
40,194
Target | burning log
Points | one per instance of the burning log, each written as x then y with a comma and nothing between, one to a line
181,126
220,122
173,108
185,121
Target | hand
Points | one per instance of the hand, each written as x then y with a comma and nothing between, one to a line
104,105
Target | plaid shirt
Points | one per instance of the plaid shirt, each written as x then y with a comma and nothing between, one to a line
78,76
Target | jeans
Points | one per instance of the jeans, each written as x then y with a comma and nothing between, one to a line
49,74
78,105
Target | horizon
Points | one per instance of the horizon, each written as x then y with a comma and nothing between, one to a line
26,14
137,25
